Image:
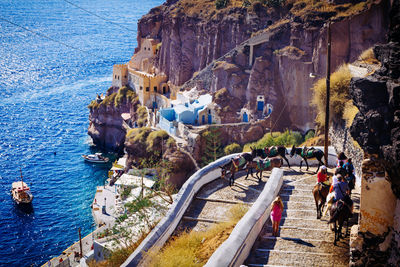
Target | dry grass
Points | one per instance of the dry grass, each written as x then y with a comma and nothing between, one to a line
339,90
303,8
368,57
205,9
290,51
315,141
195,248
349,113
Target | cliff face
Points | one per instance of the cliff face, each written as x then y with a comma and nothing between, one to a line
377,126
195,34
105,122
275,63
377,129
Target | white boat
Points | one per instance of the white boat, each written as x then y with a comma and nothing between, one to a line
21,192
95,158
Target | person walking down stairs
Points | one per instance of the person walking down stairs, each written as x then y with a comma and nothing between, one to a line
276,214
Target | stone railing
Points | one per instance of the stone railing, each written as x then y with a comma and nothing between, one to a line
160,234
236,248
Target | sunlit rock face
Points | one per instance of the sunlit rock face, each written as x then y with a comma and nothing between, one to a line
276,63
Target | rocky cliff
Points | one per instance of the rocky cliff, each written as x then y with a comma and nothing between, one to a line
105,121
210,49
194,33
377,129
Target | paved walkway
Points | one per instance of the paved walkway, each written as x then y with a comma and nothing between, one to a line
105,196
303,240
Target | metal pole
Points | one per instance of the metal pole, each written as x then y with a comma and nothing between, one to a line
328,81
80,243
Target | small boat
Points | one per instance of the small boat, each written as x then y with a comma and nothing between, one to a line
95,158
21,192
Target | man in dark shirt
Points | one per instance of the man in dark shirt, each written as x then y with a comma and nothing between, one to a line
341,188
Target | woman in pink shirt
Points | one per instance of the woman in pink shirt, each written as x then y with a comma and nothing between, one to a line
276,214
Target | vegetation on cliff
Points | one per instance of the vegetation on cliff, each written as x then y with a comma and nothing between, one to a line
124,95
212,150
148,145
232,148
339,95
195,248
287,138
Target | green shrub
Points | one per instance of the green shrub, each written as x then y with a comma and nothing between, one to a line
287,138
108,100
142,116
213,149
154,140
309,135
125,193
122,217
127,93
138,134
232,148
138,204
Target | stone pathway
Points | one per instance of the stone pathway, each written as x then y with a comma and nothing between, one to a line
105,196
214,200
303,240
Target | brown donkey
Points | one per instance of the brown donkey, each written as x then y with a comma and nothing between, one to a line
263,165
320,193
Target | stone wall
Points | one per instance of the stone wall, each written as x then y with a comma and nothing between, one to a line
342,141
377,240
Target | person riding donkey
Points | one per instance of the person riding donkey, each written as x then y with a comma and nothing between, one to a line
341,197
321,190
322,177
331,196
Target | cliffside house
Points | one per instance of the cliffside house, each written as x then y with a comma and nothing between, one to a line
140,74
197,112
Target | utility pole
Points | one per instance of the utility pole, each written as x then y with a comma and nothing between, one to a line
80,243
328,82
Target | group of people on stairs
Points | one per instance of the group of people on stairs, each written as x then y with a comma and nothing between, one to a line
343,183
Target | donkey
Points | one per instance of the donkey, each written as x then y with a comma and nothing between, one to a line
340,212
270,152
263,165
235,165
310,153
320,193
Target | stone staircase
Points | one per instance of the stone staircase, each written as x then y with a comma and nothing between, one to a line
303,240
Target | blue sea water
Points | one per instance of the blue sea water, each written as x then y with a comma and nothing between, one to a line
45,88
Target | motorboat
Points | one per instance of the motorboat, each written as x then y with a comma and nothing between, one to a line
95,158
21,192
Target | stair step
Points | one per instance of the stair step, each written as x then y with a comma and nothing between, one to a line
298,198
305,222
302,187
298,258
304,233
299,205
300,245
300,213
